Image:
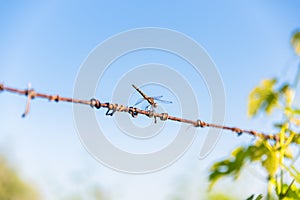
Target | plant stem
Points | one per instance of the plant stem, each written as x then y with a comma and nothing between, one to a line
269,195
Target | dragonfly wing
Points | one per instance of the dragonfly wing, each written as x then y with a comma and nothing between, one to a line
164,101
148,107
139,101
157,97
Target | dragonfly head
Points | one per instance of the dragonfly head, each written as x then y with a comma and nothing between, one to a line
155,105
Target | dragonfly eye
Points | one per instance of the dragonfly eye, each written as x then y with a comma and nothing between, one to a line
155,105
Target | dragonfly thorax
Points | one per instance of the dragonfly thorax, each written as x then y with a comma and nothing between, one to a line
151,100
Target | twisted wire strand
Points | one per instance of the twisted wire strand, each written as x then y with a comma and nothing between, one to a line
133,111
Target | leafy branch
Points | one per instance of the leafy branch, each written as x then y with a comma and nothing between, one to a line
275,156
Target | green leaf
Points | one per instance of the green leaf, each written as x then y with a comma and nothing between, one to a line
278,125
233,165
296,138
257,151
289,95
261,152
296,111
284,88
288,153
228,167
291,192
263,97
271,163
296,42
219,196
259,197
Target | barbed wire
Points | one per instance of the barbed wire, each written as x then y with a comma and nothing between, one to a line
133,111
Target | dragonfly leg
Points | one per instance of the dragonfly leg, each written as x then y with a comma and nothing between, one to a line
152,111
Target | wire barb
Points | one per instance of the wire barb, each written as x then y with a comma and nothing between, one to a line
150,113
133,112
121,108
55,98
164,116
95,103
111,109
200,123
238,131
30,95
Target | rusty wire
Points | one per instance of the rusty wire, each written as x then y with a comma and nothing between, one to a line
133,111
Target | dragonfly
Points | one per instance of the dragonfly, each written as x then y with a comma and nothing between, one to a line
151,100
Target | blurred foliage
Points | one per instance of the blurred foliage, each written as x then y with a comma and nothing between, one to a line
220,196
94,194
261,151
296,42
12,187
266,98
252,197
263,97
275,156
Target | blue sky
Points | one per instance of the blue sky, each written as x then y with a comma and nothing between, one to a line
46,43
